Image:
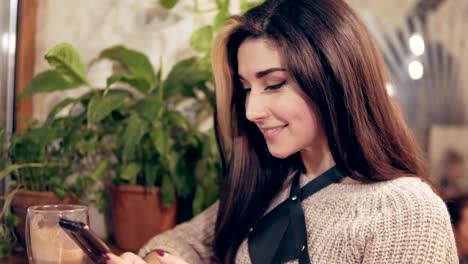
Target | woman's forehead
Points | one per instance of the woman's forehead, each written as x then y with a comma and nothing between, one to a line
257,55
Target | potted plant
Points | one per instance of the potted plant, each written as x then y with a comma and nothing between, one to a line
44,159
159,149
39,175
135,132
39,185
8,237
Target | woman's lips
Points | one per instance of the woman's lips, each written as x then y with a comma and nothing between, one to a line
272,132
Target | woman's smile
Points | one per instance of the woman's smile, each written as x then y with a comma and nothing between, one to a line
272,132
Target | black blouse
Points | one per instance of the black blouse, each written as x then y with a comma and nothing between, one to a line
281,235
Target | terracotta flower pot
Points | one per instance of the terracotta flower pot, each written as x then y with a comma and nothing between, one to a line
24,199
138,214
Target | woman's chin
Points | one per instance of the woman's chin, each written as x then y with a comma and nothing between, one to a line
280,154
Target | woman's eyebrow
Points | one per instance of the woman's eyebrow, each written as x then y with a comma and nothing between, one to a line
263,73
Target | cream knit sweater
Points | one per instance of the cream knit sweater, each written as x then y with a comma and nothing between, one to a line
398,221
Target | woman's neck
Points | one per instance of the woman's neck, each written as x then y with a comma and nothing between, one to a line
317,161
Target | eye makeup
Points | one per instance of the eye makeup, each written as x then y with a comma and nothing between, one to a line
269,87
275,86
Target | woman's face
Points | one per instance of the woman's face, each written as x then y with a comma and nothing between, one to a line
285,115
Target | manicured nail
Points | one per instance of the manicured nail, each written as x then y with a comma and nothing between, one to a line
160,252
104,258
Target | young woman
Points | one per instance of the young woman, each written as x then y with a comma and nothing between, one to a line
320,166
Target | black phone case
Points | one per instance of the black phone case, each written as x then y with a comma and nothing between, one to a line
92,245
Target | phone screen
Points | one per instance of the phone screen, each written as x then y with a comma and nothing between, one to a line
92,245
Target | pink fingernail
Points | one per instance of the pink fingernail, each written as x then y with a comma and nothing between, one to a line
104,258
160,252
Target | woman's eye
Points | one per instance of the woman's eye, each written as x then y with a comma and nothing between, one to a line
275,86
270,87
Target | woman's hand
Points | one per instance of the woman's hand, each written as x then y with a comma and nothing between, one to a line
156,257
125,258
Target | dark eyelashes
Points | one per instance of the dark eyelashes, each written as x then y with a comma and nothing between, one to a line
271,87
275,86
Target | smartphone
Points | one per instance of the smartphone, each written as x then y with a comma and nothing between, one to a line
92,245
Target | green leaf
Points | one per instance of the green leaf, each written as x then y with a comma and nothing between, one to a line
201,39
150,108
137,82
83,183
179,174
220,18
246,5
151,174
60,106
59,191
102,200
159,81
134,131
130,172
48,81
5,246
101,106
7,199
177,119
167,191
198,201
8,170
172,159
67,62
100,170
120,92
185,75
160,136
168,4
222,4
11,220
204,64
137,64
207,193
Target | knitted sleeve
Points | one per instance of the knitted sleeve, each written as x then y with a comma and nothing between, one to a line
192,240
415,228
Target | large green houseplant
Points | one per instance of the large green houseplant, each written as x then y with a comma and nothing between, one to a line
132,127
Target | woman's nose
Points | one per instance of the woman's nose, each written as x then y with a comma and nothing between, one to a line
255,108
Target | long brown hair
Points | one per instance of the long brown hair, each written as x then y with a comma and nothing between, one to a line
330,54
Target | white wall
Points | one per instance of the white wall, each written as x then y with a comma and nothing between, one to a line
141,24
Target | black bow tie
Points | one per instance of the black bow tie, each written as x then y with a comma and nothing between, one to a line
281,235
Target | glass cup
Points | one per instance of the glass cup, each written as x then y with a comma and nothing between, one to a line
46,242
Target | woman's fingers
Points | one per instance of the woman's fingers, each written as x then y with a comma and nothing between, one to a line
125,258
132,258
113,259
166,258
